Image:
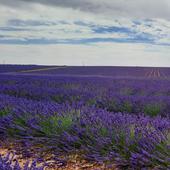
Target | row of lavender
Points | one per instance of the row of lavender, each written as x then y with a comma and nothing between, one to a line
151,97
134,141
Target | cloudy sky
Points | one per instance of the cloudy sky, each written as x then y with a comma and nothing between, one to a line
85,32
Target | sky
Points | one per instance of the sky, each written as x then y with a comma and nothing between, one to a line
85,32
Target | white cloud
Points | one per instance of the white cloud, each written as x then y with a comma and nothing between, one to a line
130,8
99,13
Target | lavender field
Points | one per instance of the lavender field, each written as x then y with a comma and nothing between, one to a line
116,116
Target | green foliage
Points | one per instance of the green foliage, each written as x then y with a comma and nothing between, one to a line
55,125
103,131
91,102
161,150
112,105
127,107
126,91
152,109
21,121
20,126
12,131
58,98
4,112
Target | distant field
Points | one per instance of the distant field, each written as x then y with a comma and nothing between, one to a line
115,116
111,71
90,71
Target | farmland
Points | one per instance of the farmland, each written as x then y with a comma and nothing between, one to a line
117,116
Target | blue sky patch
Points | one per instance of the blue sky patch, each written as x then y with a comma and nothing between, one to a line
112,29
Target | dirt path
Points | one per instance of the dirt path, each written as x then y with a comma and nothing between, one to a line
74,163
41,69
